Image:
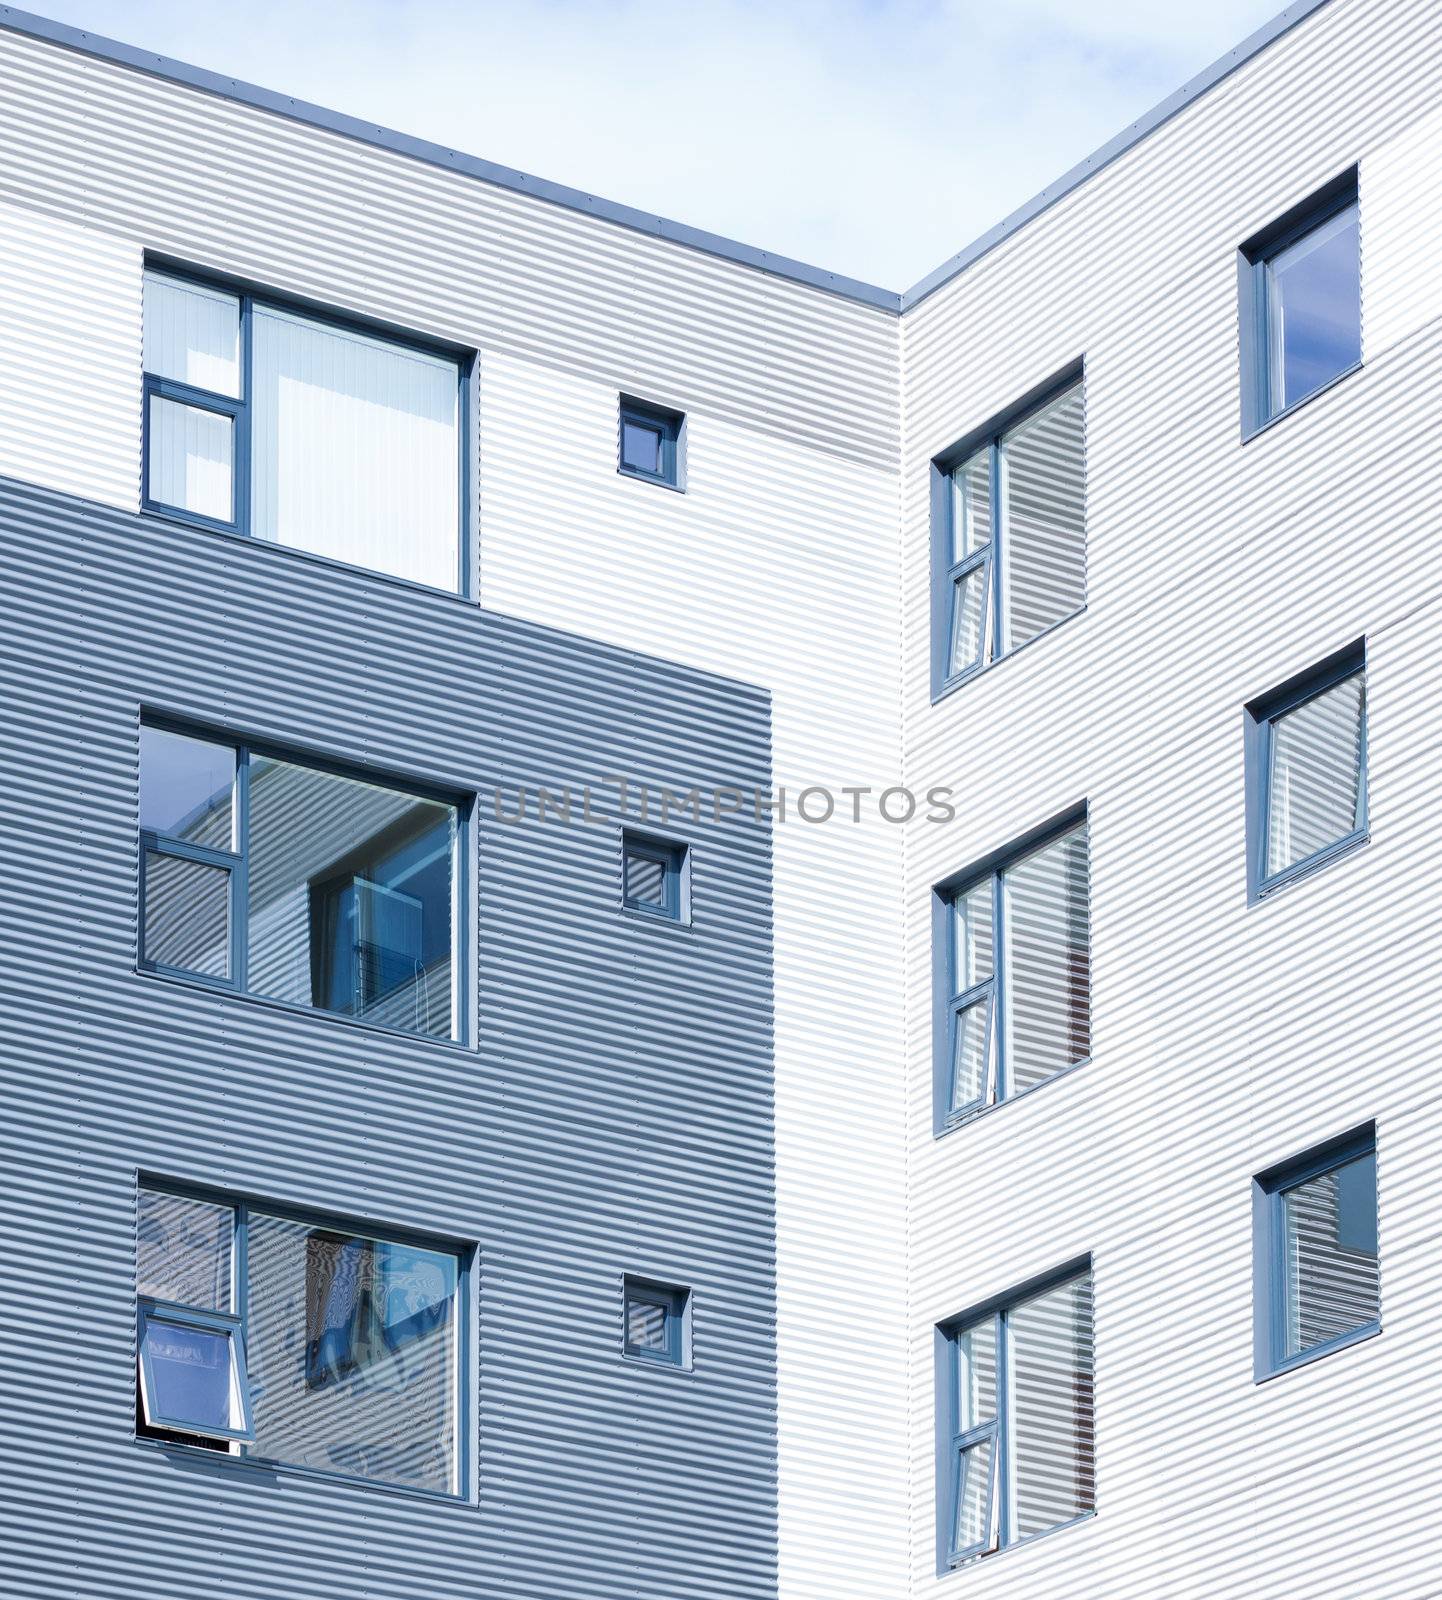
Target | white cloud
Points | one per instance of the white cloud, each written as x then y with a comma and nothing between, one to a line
871,138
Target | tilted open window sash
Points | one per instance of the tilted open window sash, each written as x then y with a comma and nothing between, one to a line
193,1376
973,1517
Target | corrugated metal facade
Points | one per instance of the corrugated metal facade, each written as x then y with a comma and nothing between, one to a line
1225,1036
615,1115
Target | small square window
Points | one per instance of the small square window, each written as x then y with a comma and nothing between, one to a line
1318,1275
1307,771
655,1322
650,442
1301,303
654,872
192,1372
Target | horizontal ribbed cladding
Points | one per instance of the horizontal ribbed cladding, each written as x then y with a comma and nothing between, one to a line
1225,1036
777,566
302,209
616,1116
70,377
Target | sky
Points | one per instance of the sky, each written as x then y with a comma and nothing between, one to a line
874,138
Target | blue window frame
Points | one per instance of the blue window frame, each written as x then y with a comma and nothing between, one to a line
1301,303
302,1340
653,876
193,1378
1306,765
1008,531
650,443
1317,1264
314,886
1015,1436
655,1322
269,418
1012,970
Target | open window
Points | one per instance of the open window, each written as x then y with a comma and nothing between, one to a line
301,1342
192,1372
1015,1420
1013,971
285,879
654,876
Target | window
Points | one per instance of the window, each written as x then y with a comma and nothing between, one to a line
656,1322
1015,1419
1307,771
1009,532
651,443
299,1341
1013,972
1301,303
284,879
1318,1281
270,421
654,877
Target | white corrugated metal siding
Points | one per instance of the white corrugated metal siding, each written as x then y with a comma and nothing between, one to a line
1224,1036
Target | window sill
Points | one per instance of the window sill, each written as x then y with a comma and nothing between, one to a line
656,483
1248,434
196,1456
653,919
1304,1358
205,986
966,1119
950,685
162,518
1304,869
950,1568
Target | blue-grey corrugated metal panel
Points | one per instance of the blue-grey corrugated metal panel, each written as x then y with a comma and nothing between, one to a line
616,1117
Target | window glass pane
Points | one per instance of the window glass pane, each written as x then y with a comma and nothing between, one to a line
641,447
182,1250
350,889
192,334
192,1376
1316,777
646,880
351,1349
975,1465
1314,313
1048,999
1044,543
355,448
186,787
191,459
975,1375
1054,1457
971,505
187,914
968,619
1333,1283
972,935
646,1325
970,1046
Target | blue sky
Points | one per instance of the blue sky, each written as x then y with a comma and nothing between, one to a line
871,137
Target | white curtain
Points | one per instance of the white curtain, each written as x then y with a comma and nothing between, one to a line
355,448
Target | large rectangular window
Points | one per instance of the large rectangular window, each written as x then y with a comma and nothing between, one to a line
306,885
1009,532
273,421
1307,771
1318,1280
299,1340
1015,1419
1013,972
1301,288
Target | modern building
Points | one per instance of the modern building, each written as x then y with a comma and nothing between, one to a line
678,926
